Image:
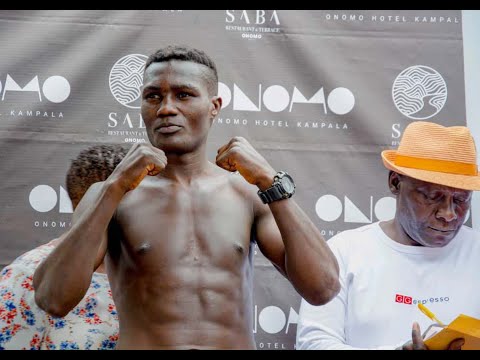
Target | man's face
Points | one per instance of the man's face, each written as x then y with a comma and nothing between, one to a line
176,106
430,214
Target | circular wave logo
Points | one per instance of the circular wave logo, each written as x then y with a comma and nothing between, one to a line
126,78
419,92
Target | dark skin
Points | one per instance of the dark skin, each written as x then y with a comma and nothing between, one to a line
176,229
429,215
417,341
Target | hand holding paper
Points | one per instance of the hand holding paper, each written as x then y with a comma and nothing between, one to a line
461,333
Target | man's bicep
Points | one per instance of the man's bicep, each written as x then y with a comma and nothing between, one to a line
87,201
269,239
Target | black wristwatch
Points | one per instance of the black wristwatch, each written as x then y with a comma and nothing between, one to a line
283,187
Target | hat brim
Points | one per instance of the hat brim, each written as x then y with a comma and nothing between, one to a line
465,182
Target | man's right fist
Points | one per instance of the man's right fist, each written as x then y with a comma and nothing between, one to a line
140,161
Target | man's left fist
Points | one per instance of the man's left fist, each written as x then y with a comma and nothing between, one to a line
239,155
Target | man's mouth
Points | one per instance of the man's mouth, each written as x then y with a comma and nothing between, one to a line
168,129
443,231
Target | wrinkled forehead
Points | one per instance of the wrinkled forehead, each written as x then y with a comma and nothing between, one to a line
428,186
178,71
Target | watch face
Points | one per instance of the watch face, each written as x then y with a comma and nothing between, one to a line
288,184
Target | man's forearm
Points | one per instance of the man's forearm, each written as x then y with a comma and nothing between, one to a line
63,278
310,264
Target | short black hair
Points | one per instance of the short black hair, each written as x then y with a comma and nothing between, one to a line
185,53
92,165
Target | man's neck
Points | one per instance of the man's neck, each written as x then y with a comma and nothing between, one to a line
184,168
394,231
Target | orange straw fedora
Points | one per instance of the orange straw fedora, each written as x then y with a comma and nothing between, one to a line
437,154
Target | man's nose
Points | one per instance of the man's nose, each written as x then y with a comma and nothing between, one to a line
446,210
167,107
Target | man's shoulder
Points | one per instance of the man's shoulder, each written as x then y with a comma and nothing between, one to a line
238,183
470,230
354,236
468,233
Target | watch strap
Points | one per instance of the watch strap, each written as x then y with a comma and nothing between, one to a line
270,195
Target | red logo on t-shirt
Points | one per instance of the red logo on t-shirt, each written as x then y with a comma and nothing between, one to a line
403,299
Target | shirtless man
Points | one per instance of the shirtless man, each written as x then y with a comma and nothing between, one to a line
177,230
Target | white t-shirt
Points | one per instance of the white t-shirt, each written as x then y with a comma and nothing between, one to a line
382,282
92,324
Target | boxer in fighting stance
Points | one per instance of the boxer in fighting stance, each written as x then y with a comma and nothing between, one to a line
177,230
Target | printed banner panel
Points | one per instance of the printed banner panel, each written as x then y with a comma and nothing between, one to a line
319,93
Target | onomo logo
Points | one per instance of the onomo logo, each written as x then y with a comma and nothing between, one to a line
419,92
44,198
272,319
277,98
126,78
55,88
330,208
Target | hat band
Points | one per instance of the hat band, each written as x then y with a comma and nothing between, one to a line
444,166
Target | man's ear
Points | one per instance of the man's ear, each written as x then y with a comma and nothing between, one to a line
394,182
216,106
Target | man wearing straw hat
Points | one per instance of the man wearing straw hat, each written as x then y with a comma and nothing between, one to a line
423,255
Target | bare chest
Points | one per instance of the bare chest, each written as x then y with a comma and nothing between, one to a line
167,227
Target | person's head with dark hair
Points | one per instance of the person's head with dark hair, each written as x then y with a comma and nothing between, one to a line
179,99
184,53
92,165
